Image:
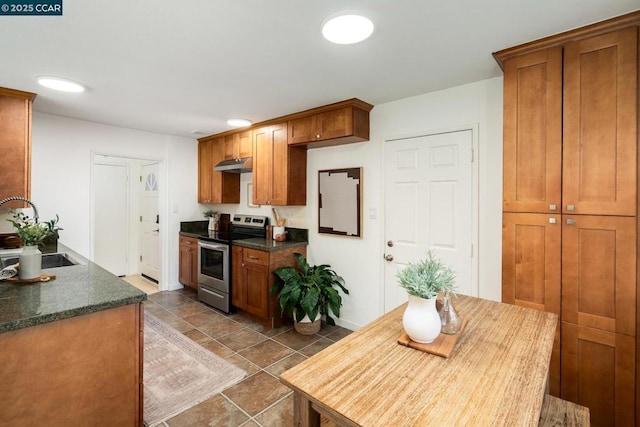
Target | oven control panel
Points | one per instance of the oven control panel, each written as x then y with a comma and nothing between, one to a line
250,220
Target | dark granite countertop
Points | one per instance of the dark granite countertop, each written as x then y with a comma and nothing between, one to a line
189,234
258,242
76,290
268,244
297,237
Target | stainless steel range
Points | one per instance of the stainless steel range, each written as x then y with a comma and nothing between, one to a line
214,258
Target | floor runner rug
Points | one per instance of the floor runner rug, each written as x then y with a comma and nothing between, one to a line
179,373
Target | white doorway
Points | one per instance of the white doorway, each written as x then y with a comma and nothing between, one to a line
150,223
431,204
111,217
140,204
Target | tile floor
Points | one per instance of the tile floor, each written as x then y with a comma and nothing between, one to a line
260,399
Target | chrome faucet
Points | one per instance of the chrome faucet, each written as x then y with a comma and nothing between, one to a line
22,199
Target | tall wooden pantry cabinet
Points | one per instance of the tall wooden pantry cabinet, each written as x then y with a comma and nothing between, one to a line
570,206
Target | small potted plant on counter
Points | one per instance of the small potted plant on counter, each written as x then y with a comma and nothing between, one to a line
32,233
50,242
309,292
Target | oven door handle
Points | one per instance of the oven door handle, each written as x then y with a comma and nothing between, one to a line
203,289
213,246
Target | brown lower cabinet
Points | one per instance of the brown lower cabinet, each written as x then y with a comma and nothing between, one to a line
188,271
588,263
531,267
84,370
598,372
252,278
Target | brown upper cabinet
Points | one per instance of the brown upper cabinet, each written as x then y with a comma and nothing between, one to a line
332,127
15,140
238,145
533,132
570,126
279,170
279,151
600,124
215,187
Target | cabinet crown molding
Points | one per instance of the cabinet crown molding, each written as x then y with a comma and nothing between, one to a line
617,23
353,102
17,93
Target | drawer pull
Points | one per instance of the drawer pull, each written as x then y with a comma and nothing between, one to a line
252,256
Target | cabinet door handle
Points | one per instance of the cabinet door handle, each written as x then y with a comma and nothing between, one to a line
552,221
571,208
570,221
553,207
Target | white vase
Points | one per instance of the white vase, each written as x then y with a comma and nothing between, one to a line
30,263
421,320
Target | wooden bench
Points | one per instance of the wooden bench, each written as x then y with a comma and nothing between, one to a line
557,412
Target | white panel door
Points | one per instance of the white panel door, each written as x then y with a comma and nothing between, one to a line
150,223
428,206
111,217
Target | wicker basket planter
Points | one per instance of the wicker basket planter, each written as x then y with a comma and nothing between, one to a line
307,328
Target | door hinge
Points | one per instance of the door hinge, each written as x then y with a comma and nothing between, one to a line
472,250
140,218
140,178
472,155
140,258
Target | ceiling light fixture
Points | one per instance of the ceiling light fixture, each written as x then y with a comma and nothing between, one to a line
62,85
346,28
239,123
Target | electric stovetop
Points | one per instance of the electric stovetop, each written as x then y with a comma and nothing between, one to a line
240,227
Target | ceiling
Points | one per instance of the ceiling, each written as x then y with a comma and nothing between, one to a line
173,67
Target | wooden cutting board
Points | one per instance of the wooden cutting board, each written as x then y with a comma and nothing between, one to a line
42,278
441,346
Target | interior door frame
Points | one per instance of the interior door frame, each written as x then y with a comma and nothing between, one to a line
475,201
163,208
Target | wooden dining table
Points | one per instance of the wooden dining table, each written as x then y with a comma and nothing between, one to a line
495,376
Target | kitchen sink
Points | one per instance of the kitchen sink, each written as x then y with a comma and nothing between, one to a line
60,259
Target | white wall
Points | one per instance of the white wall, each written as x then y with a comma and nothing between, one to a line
360,261
62,155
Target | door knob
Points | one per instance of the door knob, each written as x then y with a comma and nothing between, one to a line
388,257
390,243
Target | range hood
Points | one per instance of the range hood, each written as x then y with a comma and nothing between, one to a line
241,165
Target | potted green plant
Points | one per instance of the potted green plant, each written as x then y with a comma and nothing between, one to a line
424,280
50,242
307,293
32,233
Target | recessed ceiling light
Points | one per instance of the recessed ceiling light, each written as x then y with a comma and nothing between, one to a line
62,85
347,28
239,123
